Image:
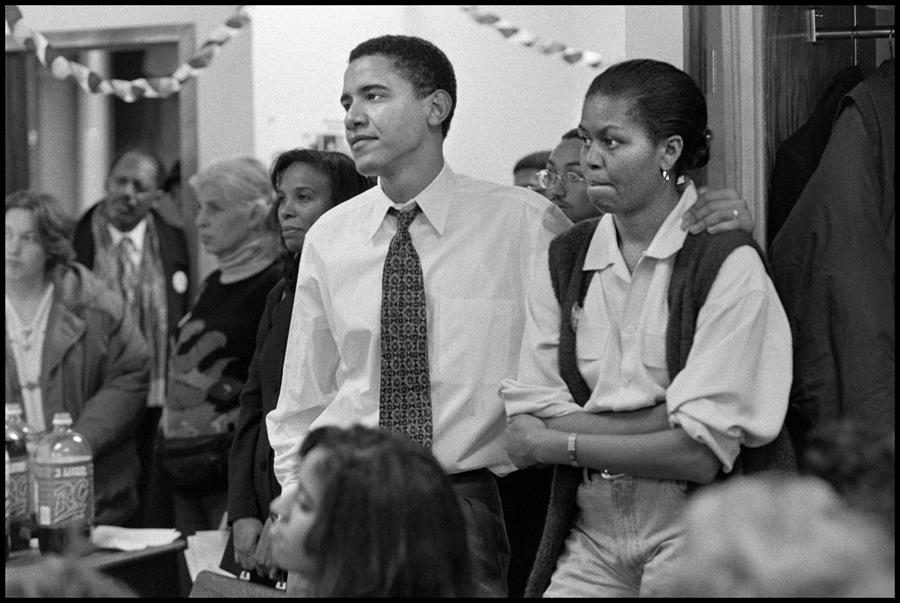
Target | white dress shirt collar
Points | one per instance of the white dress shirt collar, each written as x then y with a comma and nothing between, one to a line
667,240
435,201
136,235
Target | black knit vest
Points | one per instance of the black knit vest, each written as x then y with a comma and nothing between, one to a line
696,267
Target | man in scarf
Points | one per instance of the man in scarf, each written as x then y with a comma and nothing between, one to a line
126,242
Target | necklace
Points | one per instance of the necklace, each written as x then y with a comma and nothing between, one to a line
27,336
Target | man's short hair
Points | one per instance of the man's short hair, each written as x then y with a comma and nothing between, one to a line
146,153
420,62
533,161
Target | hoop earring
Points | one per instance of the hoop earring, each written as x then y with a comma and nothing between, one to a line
665,174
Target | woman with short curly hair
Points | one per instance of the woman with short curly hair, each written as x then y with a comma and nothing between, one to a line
72,346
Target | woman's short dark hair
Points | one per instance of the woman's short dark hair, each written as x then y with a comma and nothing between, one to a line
390,523
420,62
665,100
55,224
340,170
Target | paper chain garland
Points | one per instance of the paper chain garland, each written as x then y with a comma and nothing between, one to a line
128,91
162,87
571,55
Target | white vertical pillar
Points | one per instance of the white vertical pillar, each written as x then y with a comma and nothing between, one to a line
93,134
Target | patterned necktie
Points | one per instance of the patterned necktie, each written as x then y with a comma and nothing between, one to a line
128,274
405,384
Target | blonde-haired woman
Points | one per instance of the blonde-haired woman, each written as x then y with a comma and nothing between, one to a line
214,342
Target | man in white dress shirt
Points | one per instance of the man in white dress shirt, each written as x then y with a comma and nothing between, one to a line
477,242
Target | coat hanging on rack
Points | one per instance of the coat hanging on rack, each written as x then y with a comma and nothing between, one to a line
799,154
833,266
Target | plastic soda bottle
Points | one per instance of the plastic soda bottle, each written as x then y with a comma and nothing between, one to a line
64,482
18,490
32,437
6,544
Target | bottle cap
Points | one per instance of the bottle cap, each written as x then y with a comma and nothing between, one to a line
62,418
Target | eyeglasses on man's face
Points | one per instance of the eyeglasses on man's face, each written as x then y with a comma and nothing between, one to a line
548,178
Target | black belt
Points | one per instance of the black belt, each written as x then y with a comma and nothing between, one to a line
467,477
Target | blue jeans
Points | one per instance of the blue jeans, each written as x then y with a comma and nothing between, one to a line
626,539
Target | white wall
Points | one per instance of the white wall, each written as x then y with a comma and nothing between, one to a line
512,100
299,56
655,32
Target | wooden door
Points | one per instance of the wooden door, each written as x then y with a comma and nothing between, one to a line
723,54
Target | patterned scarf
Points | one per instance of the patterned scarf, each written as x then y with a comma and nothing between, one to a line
149,304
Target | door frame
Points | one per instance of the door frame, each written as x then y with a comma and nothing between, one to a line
122,38
729,65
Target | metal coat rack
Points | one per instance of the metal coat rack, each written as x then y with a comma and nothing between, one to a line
816,33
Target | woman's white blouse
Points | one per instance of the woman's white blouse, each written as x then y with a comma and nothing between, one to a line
735,384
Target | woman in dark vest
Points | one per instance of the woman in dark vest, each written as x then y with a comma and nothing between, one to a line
651,356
